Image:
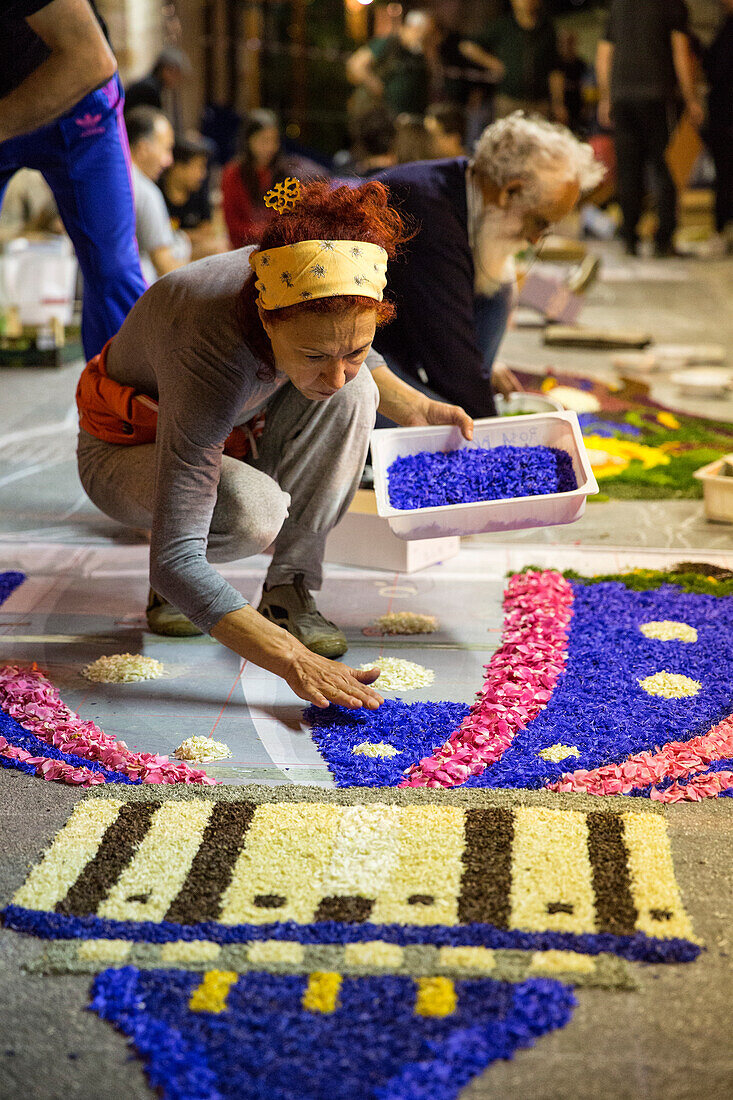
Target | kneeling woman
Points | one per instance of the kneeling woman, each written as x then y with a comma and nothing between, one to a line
233,410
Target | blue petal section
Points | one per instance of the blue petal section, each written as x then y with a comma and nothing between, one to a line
598,705
8,584
57,926
433,479
414,729
265,1046
13,732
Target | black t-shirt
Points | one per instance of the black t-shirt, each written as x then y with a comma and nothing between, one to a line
458,86
195,210
641,34
21,50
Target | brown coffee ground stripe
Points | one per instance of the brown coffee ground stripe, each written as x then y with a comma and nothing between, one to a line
487,860
615,911
213,865
119,844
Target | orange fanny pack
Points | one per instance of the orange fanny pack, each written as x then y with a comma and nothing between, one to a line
118,414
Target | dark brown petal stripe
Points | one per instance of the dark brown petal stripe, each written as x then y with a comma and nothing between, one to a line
211,870
615,911
487,874
119,844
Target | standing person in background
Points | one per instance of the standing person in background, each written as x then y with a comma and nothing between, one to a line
522,47
261,165
642,59
162,249
160,87
373,141
446,124
393,70
577,74
61,113
718,134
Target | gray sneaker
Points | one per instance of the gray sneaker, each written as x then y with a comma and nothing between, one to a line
164,618
292,607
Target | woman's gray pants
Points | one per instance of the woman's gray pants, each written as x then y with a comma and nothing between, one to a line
309,463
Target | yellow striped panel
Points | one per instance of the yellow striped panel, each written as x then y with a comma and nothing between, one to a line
267,952
435,997
480,959
74,846
653,885
106,951
561,962
364,852
211,994
427,868
278,875
376,954
551,872
189,951
157,871
322,991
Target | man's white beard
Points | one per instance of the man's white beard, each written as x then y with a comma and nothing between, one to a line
498,239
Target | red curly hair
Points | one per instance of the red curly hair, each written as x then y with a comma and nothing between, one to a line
326,213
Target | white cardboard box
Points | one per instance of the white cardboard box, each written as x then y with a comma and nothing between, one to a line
363,538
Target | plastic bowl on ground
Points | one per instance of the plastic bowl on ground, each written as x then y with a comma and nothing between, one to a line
524,402
703,381
556,429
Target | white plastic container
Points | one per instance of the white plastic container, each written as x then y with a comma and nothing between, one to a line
558,429
39,279
717,484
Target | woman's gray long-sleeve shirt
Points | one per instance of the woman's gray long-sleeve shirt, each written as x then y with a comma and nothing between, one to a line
182,344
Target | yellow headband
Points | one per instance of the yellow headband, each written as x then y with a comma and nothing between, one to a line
319,269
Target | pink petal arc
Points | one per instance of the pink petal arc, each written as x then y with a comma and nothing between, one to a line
520,678
29,697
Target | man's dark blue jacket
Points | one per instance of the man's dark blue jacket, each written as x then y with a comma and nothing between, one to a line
432,285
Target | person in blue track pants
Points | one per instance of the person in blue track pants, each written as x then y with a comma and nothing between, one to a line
61,104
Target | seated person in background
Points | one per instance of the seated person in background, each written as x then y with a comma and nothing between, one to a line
453,282
446,124
151,147
185,188
29,208
261,165
373,141
412,140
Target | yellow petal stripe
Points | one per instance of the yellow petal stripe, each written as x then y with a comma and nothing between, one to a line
428,867
211,995
322,991
653,886
278,874
76,844
435,997
157,871
552,885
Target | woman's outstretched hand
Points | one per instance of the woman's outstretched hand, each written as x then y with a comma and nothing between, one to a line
316,679
322,681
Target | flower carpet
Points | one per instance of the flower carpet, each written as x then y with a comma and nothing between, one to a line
410,937
607,685
639,450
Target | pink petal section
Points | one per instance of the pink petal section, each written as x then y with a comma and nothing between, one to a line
520,678
29,697
676,760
